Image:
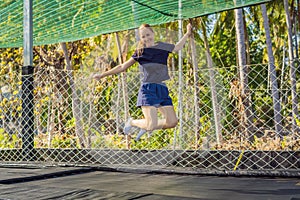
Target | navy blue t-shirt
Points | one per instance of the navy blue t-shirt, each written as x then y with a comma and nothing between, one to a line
153,62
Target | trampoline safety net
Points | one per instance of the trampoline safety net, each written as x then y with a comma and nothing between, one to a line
71,20
78,121
84,127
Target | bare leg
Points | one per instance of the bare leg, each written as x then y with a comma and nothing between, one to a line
151,121
170,119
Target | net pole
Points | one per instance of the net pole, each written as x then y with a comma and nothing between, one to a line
119,83
180,73
27,119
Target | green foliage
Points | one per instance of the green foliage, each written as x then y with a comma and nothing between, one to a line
222,39
9,141
264,107
64,141
112,141
297,121
159,139
10,101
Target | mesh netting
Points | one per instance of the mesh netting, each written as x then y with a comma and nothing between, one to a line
82,124
70,20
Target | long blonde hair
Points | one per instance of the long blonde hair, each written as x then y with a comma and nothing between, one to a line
141,45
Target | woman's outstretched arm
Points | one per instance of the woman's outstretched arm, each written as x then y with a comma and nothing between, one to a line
182,41
115,70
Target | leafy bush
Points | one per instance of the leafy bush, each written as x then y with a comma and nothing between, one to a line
9,140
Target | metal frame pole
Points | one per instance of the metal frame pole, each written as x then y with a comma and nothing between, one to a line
27,84
180,74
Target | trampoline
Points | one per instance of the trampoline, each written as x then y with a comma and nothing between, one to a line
23,183
105,164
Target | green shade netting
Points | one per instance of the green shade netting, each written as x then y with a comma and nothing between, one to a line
69,20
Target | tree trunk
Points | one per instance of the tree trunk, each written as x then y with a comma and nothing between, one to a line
196,91
246,121
122,53
273,76
75,100
292,68
216,108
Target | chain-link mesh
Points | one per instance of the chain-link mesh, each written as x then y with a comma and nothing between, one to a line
79,121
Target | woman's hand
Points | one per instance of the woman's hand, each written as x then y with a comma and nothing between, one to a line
179,45
189,29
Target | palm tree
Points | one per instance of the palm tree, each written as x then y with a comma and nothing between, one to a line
246,121
273,76
75,99
292,67
215,103
196,88
121,58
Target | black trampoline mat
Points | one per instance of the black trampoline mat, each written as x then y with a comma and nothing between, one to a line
84,183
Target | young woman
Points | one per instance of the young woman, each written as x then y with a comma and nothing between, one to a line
153,96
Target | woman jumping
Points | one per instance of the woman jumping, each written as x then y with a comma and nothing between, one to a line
153,96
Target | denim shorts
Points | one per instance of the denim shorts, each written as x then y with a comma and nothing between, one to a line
154,94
